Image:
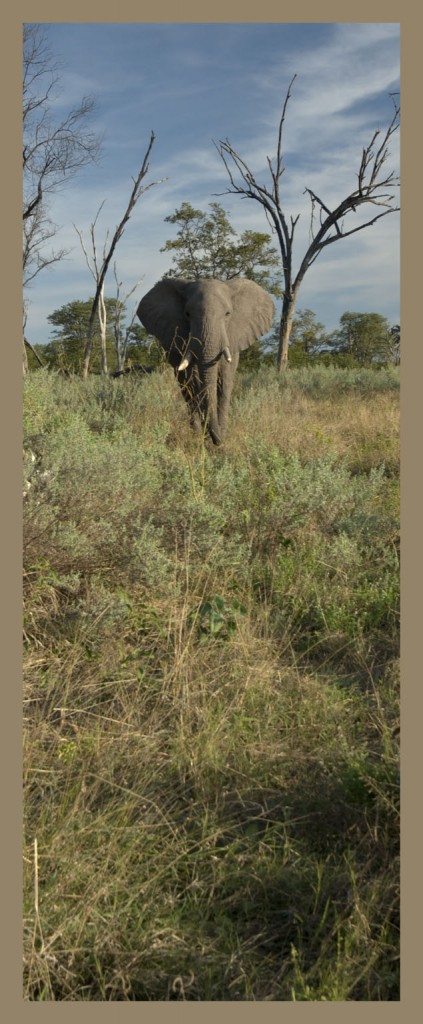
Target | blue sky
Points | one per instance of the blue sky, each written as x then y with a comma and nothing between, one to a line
192,83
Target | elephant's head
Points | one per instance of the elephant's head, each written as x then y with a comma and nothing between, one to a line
203,326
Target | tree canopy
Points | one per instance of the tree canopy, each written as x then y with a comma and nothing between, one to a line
71,324
308,337
207,245
363,336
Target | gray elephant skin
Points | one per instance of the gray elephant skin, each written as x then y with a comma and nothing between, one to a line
203,326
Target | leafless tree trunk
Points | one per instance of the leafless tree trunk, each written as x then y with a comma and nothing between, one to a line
95,270
102,317
121,342
394,345
24,358
27,344
137,191
370,190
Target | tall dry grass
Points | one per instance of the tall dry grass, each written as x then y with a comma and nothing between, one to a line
211,692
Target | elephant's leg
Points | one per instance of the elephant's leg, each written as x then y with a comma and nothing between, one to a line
224,392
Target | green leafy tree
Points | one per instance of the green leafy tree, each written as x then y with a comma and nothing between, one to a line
71,324
308,337
206,245
362,336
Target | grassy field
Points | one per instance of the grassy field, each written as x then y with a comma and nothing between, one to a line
211,691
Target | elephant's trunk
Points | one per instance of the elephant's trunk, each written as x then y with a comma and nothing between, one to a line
211,350
210,380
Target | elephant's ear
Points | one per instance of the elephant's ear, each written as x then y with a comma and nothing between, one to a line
161,312
252,313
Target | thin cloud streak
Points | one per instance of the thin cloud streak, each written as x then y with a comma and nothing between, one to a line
214,82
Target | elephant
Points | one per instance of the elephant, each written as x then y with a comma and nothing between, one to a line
203,326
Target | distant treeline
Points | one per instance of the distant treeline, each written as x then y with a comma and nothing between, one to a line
362,339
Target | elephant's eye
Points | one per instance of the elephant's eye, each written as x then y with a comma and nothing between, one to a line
228,312
187,314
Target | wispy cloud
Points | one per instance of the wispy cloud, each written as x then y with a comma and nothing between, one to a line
196,83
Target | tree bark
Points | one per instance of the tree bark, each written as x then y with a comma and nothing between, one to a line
288,310
27,344
24,358
102,320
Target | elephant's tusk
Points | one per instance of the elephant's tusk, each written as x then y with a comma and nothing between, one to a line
227,354
185,362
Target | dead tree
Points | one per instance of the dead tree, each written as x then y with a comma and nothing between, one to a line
53,151
32,349
330,226
121,340
137,191
95,270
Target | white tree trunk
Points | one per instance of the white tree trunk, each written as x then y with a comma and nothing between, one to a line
102,316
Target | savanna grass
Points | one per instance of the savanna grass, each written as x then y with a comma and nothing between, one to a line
211,692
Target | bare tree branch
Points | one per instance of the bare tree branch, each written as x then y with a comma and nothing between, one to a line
371,190
32,349
138,190
53,151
